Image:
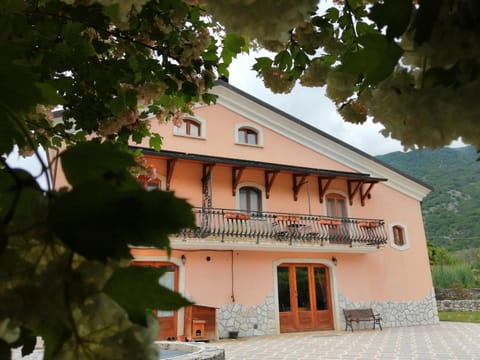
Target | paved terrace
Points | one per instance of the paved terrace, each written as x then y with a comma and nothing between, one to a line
444,341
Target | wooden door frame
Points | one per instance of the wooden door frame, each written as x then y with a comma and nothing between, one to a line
177,261
332,284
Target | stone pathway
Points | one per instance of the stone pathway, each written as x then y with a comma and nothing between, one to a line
445,341
452,341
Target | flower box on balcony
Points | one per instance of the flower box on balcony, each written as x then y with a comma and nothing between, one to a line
330,222
237,216
369,224
287,218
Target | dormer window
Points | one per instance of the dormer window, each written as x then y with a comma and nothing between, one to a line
246,134
190,127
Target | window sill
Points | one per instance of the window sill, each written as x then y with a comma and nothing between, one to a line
400,247
249,145
191,137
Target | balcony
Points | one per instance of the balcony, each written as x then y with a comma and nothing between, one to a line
226,228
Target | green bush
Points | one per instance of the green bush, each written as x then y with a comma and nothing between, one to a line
451,276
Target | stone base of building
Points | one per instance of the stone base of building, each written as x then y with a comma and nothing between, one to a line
261,319
395,313
248,321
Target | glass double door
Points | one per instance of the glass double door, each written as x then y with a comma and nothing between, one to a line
304,297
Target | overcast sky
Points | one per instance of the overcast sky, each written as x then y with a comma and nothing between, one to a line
312,106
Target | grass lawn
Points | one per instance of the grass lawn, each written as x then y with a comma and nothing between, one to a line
461,316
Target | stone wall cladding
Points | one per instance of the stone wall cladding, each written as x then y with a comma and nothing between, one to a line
458,305
260,319
248,321
394,313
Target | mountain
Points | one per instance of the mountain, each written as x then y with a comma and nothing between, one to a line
451,212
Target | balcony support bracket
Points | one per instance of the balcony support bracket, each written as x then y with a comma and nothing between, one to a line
365,194
298,182
206,172
269,180
170,167
353,188
323,187
236,176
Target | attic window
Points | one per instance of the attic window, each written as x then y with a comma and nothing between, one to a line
246,134
195,128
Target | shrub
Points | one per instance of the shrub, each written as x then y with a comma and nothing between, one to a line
453,276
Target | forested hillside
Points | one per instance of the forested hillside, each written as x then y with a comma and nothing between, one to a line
452,211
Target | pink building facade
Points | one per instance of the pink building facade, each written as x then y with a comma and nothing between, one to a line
292,225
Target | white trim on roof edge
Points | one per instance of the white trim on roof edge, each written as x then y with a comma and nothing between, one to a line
335,149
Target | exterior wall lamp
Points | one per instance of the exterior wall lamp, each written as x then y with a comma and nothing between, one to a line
184,259
334,260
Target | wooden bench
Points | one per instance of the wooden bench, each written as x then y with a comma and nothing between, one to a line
358,315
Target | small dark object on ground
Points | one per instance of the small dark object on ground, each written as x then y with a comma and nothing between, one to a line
233,334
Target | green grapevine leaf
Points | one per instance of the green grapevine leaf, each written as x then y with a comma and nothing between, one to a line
137,290
375,60
10,132
156,142
284,60
425,20
26,340
93,160
234,43
394,14
3,238
262,63
209,98
5,352
332,14
98,221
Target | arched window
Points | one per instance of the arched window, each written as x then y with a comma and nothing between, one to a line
150,184
250,199
191,127
247,136
398,236
336,205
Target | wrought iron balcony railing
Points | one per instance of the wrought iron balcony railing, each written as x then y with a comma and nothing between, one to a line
267,227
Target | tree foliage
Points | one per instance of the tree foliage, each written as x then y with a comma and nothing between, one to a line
413,66
64,253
